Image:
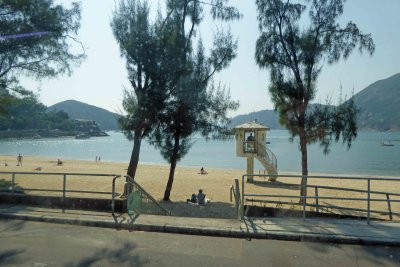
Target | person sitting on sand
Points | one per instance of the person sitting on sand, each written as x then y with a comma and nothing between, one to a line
193,199
201,198
202,171
59,162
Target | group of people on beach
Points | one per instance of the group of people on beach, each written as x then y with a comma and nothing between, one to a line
97,159
199,199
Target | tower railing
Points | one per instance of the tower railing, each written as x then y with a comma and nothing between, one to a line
264,152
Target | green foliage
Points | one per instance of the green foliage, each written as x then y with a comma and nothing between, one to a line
196,105
295,55
23,111
144,45
45,54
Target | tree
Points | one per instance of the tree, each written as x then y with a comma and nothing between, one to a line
34,39
295,56
194,106
158,59
145,47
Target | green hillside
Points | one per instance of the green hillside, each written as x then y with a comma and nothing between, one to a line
379,105
77,110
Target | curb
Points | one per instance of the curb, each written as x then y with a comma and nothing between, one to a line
211,231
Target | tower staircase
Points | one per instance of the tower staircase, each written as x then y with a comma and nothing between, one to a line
267,159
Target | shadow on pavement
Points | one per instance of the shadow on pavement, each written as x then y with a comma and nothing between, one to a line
111,257
10,256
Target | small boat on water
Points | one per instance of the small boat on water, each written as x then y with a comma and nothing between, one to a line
386,143
82,136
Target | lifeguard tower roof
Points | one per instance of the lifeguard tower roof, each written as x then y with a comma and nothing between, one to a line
252,125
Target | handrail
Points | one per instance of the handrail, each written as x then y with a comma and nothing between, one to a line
64,190
267,154
368,191
113,194
144,192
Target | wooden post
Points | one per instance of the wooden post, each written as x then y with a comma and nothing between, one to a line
389,207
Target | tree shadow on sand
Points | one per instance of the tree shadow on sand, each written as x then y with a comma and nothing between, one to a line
221,210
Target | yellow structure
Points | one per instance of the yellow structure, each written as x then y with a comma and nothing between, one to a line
251,143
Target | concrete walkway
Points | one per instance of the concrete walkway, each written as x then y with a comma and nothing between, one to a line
295,229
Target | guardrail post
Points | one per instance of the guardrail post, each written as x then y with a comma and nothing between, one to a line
237,198
316,199
242,204
13,183
64,189
303,198
389,207
369,201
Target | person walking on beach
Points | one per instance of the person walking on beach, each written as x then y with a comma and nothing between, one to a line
19,159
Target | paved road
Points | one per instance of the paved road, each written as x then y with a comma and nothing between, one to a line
24,243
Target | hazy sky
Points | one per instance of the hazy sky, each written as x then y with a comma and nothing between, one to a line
101,77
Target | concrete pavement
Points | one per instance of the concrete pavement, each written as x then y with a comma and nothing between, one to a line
296,229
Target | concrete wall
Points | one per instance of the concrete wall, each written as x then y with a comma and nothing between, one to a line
57,202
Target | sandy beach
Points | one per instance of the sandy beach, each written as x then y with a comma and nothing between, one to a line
216,185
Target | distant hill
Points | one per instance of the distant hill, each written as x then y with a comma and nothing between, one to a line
267,118
379,105
78,110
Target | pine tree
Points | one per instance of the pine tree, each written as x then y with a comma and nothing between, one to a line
295,55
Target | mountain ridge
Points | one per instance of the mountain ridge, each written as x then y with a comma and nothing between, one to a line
107,120
378,104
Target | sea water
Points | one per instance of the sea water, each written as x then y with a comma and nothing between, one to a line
365,157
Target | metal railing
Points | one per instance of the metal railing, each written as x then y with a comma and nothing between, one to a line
264,152
317,197
64,189
147,203
235,194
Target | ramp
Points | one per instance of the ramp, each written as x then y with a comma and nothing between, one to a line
141,202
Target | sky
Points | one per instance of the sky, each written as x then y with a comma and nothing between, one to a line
100,79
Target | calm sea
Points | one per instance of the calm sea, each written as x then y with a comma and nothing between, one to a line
366,156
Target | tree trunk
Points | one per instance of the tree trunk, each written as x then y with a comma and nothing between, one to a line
172,168
133,163
304,164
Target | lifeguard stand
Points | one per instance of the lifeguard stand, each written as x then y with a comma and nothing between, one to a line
251,143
